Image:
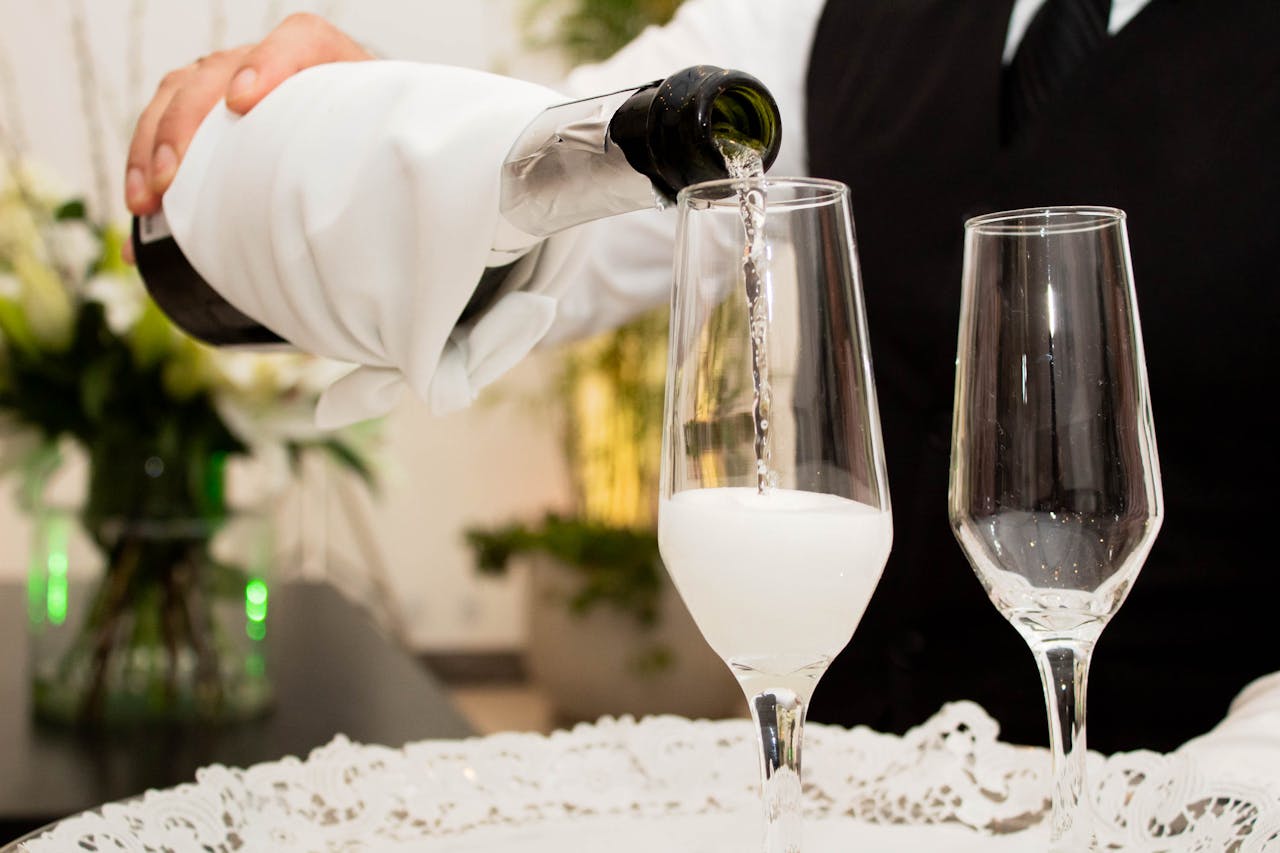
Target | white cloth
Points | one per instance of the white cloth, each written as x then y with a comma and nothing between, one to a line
1245,746
357,230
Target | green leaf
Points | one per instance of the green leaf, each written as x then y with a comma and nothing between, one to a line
112,258
71,210
651,661
151,337
95,389
349,458
591,30
15,328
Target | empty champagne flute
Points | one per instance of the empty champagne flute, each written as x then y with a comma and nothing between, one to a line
774,517
1055,485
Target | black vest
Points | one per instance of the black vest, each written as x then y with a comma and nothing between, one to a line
1177,121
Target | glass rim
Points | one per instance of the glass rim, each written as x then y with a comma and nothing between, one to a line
720,192
1052,219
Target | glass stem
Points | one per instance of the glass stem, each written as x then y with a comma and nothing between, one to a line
1064,669
779,717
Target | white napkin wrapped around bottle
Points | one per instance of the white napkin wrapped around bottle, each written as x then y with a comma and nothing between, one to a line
352,212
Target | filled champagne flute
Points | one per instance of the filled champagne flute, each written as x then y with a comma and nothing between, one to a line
1055,484
774,517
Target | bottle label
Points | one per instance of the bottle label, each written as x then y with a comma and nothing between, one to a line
153,227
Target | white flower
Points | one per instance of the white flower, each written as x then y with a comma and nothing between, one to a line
258,478
272,421
44,301
122,298
271,374
18,229
74,247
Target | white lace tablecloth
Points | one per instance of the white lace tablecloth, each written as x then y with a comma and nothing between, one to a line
670,784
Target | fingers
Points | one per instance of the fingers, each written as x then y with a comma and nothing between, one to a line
137,193
243,76
191,102
301,41
165,128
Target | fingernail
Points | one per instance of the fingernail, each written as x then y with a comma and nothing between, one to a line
135,186
242,83
163,165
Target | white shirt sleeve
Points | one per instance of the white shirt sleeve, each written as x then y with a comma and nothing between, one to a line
352,212
606,272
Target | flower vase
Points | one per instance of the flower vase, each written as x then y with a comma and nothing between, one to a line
147,605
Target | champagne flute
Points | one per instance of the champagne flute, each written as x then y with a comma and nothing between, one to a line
1055,485
774,515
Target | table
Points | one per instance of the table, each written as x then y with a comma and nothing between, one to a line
333,671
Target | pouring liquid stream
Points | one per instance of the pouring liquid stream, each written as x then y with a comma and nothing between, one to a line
743,162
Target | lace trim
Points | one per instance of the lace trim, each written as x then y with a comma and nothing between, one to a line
951,770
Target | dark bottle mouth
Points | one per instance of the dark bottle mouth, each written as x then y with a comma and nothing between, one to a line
745,112
668,130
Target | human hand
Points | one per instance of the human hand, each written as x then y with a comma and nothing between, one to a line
243,76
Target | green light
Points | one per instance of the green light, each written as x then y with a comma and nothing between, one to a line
57,600
255,600
255,608
56,568
255,592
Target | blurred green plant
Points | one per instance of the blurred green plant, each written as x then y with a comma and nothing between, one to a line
87,358
591,30
617,566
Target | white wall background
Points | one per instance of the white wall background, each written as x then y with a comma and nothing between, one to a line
484,466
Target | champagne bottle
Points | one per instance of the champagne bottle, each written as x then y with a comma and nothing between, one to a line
574,163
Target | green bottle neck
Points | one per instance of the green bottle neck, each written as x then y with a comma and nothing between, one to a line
668,129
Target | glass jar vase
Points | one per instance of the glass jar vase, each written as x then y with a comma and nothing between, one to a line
137,621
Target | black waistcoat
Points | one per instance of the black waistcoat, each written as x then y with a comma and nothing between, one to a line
1177,121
